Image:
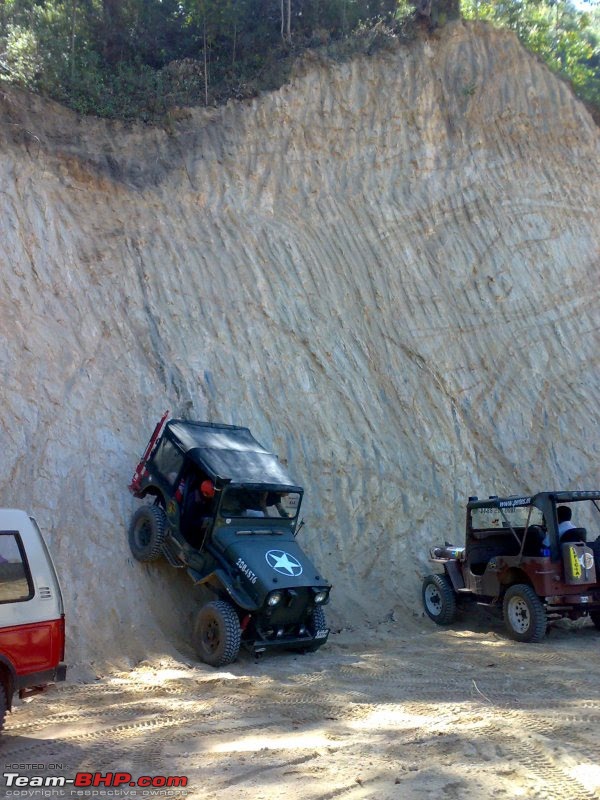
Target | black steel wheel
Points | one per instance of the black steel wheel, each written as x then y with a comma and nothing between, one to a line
524,615
439,599
217,633
147,533
595,617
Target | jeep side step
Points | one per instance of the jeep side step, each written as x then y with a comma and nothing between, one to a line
171,557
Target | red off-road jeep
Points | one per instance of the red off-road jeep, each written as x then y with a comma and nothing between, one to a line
538,558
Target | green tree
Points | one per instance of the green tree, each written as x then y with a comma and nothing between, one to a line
565,37
137,58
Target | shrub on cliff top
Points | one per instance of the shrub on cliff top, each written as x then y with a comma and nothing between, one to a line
139,58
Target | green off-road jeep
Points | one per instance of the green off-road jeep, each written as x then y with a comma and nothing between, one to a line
226,510
532,556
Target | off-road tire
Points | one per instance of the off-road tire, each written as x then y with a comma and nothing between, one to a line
317,622
439,599
595,617
147,533
3,706
524,615
217,634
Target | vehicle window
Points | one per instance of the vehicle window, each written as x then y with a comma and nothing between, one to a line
15,581
489,518
240,502
168,460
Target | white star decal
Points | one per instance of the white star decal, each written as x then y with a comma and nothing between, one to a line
284,563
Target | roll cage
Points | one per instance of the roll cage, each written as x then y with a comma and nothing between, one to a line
545,502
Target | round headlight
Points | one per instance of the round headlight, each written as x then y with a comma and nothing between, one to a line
320,597
274,599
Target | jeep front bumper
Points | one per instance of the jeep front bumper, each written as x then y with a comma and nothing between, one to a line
257,646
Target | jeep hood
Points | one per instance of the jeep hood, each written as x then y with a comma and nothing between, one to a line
276,564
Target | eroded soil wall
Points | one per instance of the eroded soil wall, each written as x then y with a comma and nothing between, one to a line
388,270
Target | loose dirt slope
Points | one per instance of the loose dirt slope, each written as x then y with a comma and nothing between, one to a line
392,716
387,270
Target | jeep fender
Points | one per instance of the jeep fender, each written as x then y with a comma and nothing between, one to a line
221,583
455,575
153,491
511,575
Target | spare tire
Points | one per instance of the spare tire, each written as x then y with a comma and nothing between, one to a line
147,533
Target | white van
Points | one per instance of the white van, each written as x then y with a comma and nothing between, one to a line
32,619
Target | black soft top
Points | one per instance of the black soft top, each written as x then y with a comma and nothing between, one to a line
228,453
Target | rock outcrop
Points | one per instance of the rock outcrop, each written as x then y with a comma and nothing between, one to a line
388,270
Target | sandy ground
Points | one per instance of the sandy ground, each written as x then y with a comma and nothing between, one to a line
410,711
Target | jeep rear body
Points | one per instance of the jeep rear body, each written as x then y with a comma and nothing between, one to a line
500,551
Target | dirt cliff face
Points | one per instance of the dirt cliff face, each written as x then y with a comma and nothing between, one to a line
388,270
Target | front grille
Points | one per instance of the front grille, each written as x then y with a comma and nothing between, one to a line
293,608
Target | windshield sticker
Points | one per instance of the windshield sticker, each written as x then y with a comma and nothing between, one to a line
517,517
284,563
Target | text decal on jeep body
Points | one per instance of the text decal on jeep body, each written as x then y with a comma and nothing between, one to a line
517,501
575,565
243,567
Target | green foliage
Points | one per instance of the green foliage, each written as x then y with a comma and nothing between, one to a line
140,58
20,59
566,37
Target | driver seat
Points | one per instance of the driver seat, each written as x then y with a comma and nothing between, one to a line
574,535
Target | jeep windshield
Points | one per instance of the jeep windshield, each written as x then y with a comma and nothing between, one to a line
240,501
503,518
